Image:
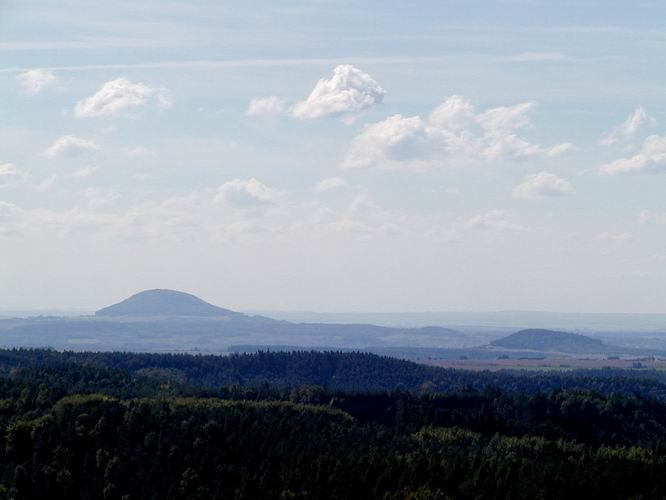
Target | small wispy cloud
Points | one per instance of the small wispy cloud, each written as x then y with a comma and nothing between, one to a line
265,106
69,146
535,57
246,194
330,184
542,185
118,95
34,81
46,184
635,123
650,159
82,173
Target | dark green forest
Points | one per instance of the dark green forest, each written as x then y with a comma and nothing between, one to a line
322,425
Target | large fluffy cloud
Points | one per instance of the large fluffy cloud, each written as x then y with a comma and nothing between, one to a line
542,185
35,80
347,93
69,146
650,159
120,94
453,133
637,121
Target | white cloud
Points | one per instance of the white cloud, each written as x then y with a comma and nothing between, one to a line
494,220
346,94
651,159
392,143
35,80
265,106
46,184
506,118
542,185
164,101
559,150
453,134
8,169
636,122
362,204
246,194
235,211
10,174
330,183
82,173
120,94
69,146
365,218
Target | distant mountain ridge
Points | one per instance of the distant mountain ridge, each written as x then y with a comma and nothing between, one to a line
167,320
161,302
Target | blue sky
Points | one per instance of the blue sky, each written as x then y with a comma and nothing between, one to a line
384,156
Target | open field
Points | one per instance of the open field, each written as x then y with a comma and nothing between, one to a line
548,363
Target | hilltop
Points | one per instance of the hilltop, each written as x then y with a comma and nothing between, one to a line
168,320
552,341
165,303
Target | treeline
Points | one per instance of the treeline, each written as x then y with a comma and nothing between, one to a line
319,425
349,371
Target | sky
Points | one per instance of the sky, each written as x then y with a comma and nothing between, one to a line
334,155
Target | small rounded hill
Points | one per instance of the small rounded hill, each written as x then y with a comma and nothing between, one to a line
549,340
164,303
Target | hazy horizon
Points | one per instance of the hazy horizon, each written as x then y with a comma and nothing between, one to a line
254,310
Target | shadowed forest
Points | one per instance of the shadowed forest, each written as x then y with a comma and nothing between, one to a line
326,425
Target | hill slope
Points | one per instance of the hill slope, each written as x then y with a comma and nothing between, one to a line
164,303
551,341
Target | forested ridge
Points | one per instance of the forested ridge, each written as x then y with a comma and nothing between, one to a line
348,371
321,425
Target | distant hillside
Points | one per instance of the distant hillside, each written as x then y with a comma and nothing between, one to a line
164,303
552,341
